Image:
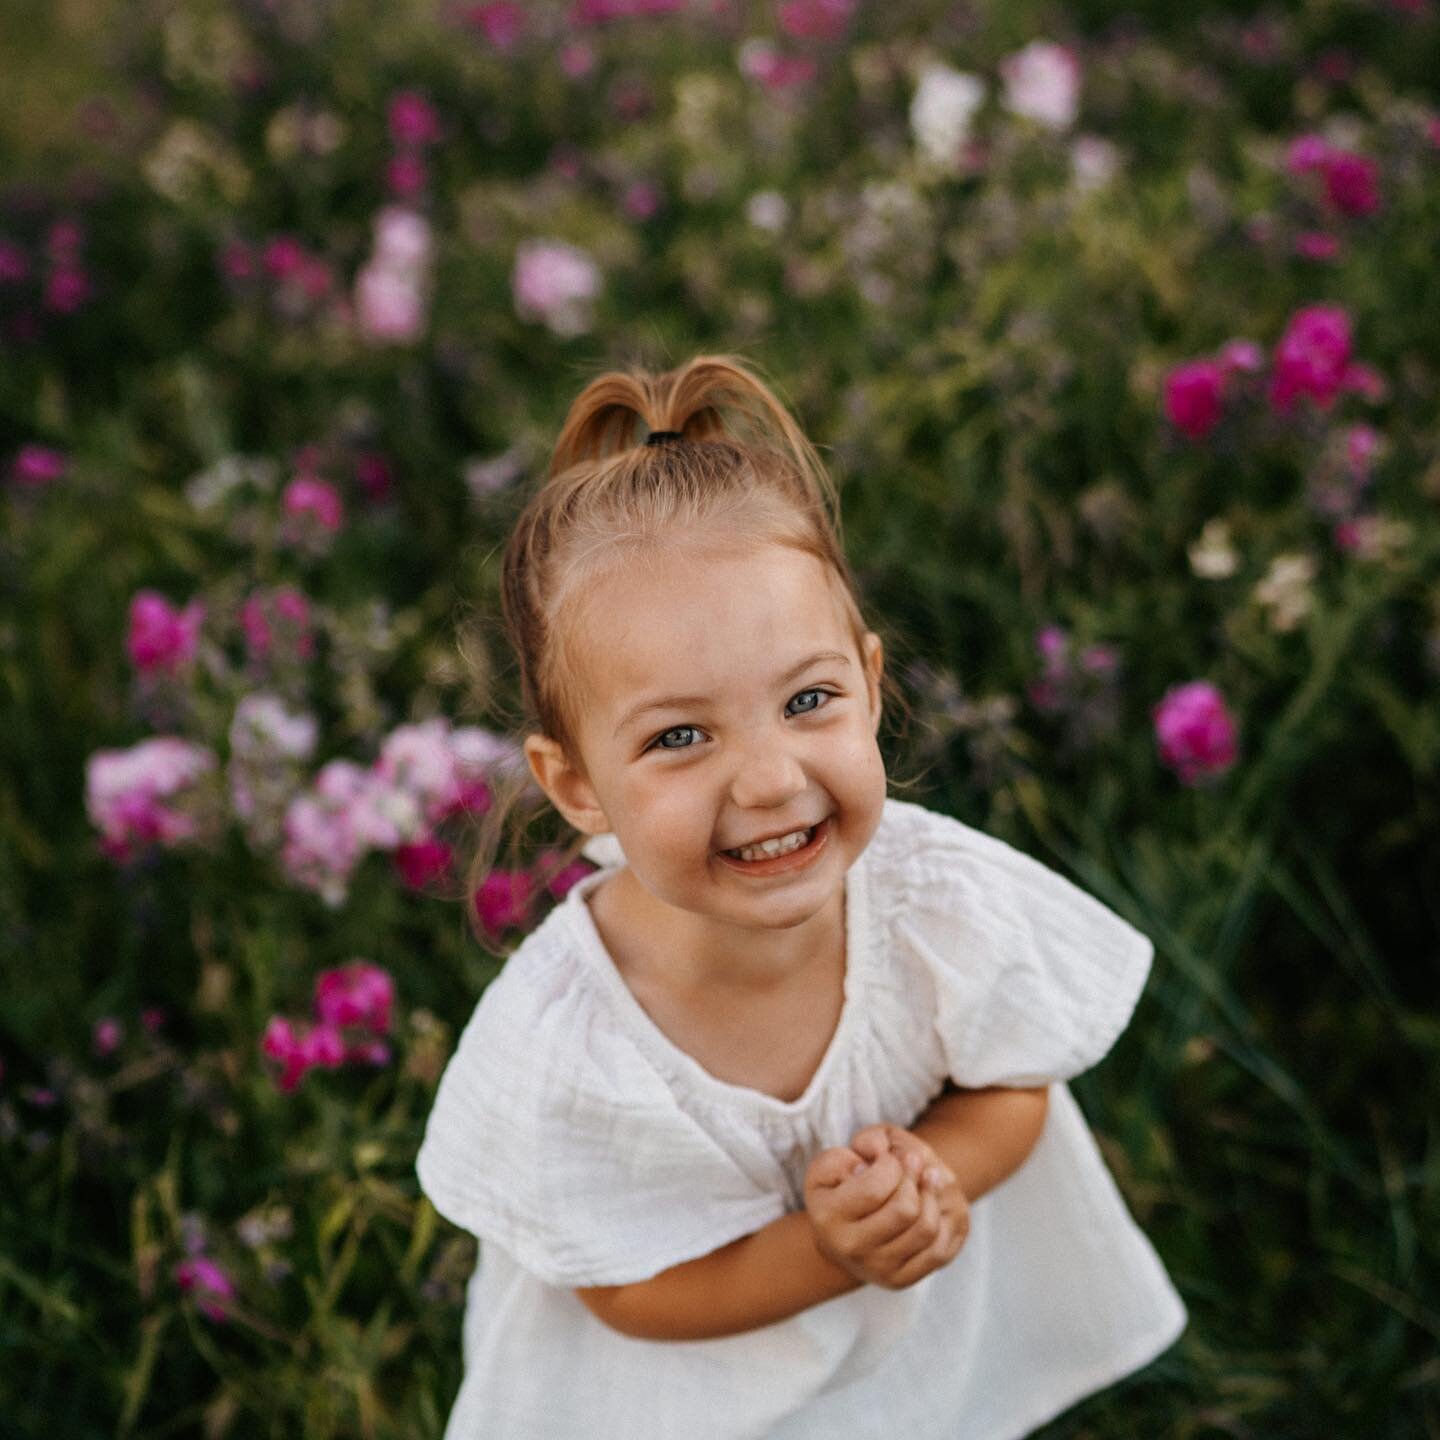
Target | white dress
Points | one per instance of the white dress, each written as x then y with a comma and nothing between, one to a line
584,1148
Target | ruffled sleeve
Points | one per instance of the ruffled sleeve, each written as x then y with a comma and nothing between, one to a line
1034,978
552,1138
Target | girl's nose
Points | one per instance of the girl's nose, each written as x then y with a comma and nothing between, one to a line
767,780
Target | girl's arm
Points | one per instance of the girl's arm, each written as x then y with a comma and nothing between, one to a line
982,1135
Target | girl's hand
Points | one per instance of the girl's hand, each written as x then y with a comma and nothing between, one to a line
872,1220
930,1172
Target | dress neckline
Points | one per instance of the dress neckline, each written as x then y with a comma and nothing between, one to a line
679,1064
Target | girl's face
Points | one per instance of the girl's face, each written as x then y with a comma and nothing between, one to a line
723,702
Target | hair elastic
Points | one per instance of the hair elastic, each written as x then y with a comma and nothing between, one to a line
658,437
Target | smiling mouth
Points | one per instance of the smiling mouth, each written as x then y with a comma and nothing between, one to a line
759,855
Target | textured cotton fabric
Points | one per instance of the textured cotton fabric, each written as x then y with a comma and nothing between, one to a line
584,1147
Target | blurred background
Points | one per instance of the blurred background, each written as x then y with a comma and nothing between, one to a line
1119,327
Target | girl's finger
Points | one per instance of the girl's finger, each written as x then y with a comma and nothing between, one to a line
832,1167
899,1212
920,1235
863,1194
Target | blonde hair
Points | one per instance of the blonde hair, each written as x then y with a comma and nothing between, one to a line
742,474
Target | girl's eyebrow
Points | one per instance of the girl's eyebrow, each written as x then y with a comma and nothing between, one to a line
677,702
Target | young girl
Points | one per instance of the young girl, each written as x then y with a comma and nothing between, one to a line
764,1129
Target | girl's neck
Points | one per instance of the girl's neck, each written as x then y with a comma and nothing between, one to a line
688,953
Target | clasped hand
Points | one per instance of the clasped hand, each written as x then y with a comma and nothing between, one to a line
886,1208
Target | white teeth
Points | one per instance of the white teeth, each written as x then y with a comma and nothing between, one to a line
768,849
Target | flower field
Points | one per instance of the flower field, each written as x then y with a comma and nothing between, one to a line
1120,332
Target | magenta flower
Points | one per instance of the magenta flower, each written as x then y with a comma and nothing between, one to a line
1352,183
421,863
66,289
405,174
282,256
1317,245
413,119
37,465
1192,397
1312,357
559,878
357,994
374,476
298,1049
211,1286
162,639
307,495
1240,354
1194,731
503,899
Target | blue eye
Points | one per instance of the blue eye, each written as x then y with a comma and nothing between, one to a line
659,742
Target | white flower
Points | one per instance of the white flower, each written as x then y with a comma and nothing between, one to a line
262,726
1212,556
941,112
1042,82
1285,591
767,210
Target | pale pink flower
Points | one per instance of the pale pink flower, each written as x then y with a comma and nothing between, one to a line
1195,732
389,304
404,239
1240,354
134,796
555,283
162,639
1042,82
307,496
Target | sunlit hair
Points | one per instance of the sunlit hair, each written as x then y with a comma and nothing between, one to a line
742,475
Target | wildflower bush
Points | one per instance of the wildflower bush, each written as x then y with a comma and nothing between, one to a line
1122,335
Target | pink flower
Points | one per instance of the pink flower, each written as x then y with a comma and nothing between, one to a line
66,290
105,1038
1240,355
1192,397
1317,245
14,264
211,1286
1363,444
285,610
357,994
413,119
405,175
283,256
37,465
555,283
299,1049
815,19
152,1018
163,639
308,496
1306,153
237,261
1053,645
1195,732
501,22
578,59
1042,82
641,200
761,61
134,797
421,863
390,305
503,899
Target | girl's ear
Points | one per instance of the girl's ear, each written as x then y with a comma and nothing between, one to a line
569,791
874,657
